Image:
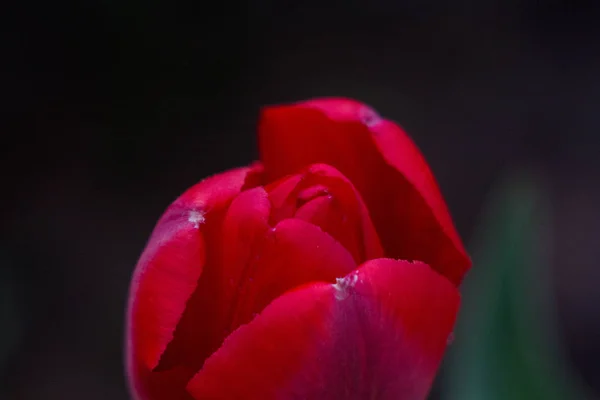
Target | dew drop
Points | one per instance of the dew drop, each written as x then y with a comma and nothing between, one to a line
342,286
196,218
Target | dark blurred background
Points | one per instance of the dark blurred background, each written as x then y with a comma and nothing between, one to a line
113,108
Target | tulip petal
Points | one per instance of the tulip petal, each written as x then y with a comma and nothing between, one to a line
294,253
381,161
166,276
364,235
380,332
208,311
321,195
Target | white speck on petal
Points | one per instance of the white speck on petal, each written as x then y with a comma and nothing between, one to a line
342,285
369,116
196,218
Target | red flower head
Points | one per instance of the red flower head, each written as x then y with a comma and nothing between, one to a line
329,270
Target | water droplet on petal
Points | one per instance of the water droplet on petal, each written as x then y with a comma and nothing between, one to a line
196,218
343,285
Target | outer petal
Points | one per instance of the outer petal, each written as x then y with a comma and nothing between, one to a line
166,276
378,333
381,161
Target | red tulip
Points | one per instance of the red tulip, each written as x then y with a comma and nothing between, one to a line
329,270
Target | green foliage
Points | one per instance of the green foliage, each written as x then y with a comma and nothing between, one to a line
505,346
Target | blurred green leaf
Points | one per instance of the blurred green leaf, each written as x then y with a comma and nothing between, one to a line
505,346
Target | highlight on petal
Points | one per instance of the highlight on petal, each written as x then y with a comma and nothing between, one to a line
382,162
167,274
379,332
